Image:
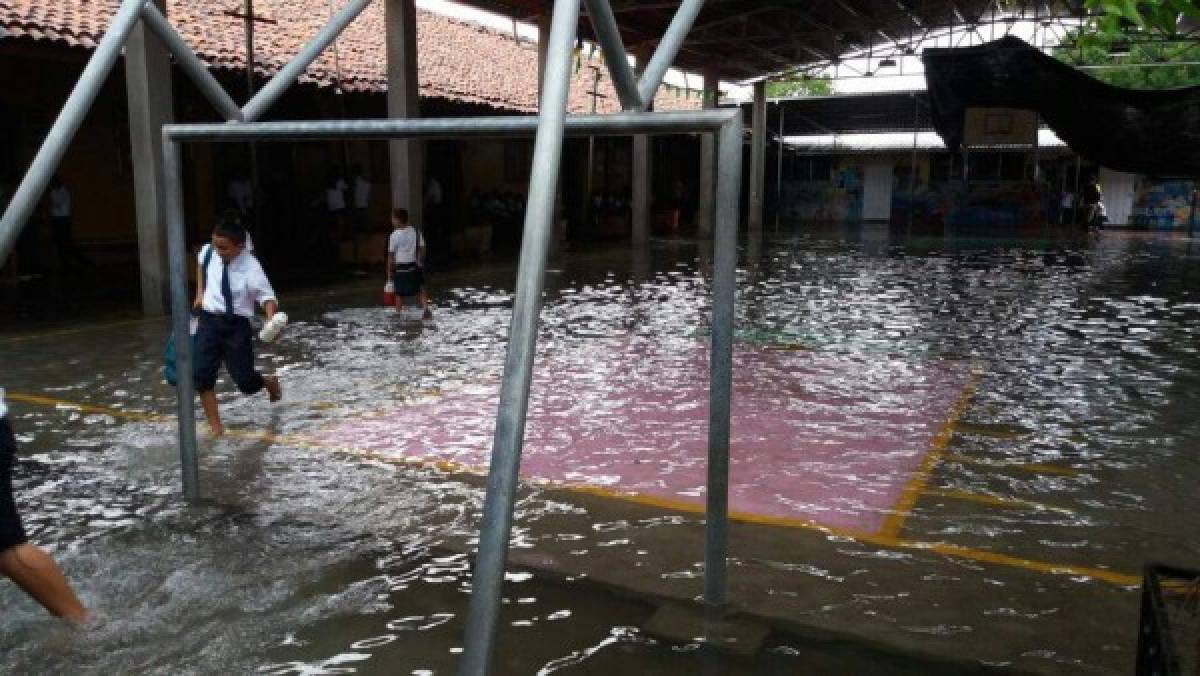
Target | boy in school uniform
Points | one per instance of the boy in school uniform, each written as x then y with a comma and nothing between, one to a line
28,566
405,262
232,285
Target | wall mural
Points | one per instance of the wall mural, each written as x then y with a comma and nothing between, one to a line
1164,204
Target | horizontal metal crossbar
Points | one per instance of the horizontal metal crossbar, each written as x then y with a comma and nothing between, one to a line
618,124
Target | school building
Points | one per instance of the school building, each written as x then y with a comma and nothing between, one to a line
463,70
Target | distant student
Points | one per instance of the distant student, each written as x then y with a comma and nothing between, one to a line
231,283
28,566
335,206
60,226
405,262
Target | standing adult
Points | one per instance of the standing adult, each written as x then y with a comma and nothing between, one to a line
360,202
231,283
25,564
1066,207
335,207
60,226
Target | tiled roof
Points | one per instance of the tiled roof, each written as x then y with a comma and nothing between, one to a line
456,60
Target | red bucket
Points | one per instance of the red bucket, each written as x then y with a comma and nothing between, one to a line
389,294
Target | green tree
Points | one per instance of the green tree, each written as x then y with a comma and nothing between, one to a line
805,86
1135,59
1161,16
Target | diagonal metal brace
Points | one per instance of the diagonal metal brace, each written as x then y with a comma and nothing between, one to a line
668,49
269,94
191,64
605,24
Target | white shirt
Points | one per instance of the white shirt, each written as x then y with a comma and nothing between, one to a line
362,192
60,202
3,408
403,245
335,196
247,282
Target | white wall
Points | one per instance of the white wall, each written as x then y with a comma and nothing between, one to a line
1117,187
877,189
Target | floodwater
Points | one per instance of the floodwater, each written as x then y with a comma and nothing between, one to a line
320,546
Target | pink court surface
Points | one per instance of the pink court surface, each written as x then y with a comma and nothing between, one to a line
819,438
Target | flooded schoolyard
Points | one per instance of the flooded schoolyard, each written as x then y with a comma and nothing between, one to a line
947,454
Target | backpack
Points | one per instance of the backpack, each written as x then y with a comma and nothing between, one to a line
169,373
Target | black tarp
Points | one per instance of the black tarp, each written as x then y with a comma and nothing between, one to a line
1134,130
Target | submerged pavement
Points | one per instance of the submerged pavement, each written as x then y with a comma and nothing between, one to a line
951,460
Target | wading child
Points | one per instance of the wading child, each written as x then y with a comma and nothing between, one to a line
231,283
405,262
29,567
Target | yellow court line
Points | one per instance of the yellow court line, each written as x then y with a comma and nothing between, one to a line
878,539
996,500
916,485
982,556
1034,467
39,400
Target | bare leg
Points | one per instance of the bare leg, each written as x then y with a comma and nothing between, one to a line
399,304
423,298
273,388
34,571
208,399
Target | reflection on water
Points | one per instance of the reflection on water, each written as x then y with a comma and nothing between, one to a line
311,556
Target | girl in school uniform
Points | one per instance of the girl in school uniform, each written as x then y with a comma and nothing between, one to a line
232,282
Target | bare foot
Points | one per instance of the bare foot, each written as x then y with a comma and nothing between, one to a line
428,314
274,389
216,431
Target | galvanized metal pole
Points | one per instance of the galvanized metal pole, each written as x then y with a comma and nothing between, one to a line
705,208
617,124
729,183
609,36
488,578
668,49
191,64
48,157
178,259
287,75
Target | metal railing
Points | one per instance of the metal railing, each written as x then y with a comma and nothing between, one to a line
549,129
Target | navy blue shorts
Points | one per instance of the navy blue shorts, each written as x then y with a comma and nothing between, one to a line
408,279
227,340
12,533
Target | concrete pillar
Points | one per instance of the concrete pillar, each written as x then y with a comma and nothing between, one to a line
642,176
758,156
151,104
407,157
708,164
877,190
